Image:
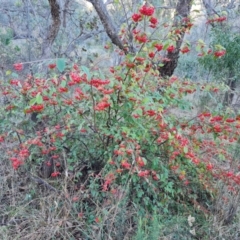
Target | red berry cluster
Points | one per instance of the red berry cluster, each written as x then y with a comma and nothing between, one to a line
218,20
147,11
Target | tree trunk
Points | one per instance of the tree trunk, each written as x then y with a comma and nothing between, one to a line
182,12
53,29
107,22
229,95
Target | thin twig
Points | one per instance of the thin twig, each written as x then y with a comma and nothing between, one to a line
41,181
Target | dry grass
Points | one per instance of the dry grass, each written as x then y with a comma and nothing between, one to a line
35,208
34,211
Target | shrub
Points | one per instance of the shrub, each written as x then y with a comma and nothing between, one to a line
121,136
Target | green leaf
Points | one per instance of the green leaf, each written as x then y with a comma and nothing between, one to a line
15,75
222,157
147,100
39,98
7,41
8,72
17,49
185,149
215,135
219,47
140,193
201,42
170,136
101,74
63,84
165,46
86,70
138,111
32,101
144,160
70,168
61,64
198,48
80,125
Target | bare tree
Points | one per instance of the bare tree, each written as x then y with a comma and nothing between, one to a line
42,30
